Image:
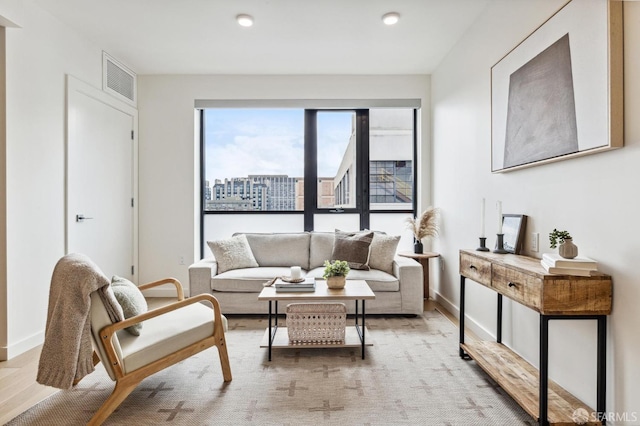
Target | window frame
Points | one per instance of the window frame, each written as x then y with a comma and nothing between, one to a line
362,191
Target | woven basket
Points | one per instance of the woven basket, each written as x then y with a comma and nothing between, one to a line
313,323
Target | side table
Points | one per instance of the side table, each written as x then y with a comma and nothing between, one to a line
423,259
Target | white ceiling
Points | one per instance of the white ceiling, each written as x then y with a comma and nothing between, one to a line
288,37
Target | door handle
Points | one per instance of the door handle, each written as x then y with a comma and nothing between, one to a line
81,218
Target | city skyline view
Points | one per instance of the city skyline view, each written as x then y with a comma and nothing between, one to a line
254,159
242,142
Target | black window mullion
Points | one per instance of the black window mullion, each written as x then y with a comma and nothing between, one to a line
310,167
202,182
362,165
415,162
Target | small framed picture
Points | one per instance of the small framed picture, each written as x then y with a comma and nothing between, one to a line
513,228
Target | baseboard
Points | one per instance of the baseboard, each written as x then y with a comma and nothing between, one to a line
470,324
24,345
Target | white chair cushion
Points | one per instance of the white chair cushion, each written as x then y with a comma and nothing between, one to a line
166,334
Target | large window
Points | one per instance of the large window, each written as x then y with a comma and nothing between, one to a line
253,159
336,159
311,161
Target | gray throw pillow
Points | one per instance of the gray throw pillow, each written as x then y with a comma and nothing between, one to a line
352,247
130,299
383,250
233,253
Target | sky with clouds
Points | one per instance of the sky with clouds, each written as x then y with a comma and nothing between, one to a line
239,142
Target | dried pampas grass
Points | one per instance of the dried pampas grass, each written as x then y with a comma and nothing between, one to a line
426,225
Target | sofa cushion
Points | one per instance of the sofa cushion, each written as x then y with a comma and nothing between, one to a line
352,247
280,249
383,250
232,253
249,280
320,248
377,280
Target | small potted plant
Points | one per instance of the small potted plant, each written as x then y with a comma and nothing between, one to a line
424,226
564,242
336,273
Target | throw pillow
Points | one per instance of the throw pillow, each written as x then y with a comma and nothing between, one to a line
383,250
130,299
352,247
233,253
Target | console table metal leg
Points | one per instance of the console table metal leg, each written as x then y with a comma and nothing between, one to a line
544,370
499,328
270,337
461,320
363,327
602,367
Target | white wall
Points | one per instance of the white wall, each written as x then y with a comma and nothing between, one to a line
169,153
39,54
594,197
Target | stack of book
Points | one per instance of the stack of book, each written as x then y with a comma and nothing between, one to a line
553,263
309,284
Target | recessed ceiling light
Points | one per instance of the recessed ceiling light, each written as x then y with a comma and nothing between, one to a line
391,18
245,20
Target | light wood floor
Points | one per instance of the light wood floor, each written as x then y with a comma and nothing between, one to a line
19,390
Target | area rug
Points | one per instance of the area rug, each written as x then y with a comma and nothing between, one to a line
412,375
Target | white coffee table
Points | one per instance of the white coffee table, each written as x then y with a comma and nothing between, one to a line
356,290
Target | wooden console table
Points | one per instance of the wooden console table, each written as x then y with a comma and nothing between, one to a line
554,297
423,259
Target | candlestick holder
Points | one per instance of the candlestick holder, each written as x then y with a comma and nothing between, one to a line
500,245
483,247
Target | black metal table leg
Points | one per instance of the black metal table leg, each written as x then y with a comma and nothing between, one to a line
363,327
270,336
602,367
360,326
461,320
499,327
544,370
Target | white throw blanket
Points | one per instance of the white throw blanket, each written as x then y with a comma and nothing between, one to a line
67,351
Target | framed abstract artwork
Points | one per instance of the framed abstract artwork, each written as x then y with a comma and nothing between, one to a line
558,94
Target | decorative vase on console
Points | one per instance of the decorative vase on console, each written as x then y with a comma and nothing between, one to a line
567,249
424,226
564,242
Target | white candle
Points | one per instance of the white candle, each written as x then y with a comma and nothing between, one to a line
295,272
499,207
482,219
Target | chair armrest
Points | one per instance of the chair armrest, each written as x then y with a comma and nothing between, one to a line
173,281
200,274
107,332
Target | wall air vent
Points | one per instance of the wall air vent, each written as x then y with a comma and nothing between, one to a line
118,80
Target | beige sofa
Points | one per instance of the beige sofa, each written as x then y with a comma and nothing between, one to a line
398,291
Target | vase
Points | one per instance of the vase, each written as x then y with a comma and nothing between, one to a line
336,282
417,247
567,249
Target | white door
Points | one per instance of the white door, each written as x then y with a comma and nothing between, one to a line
100,179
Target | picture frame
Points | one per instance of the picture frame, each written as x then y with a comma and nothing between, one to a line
559,93
513,228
